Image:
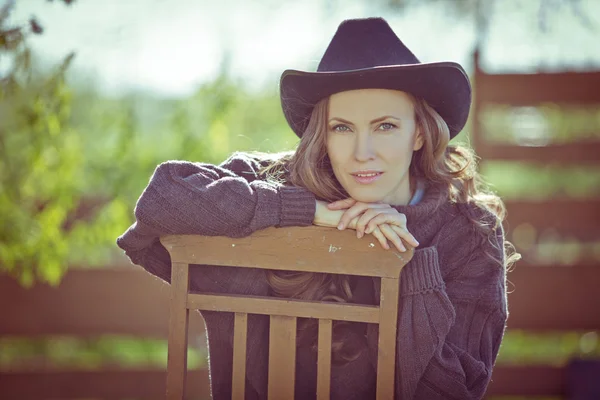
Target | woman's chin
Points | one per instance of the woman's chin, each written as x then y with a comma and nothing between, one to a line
365,197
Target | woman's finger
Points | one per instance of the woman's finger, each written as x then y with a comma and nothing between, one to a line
381,238
356,210
365,218
353,212
394,219
405,235
341,204
389,216
392,236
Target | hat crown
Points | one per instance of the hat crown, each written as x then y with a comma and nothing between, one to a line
364,43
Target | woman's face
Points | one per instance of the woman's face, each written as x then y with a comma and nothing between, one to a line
371,135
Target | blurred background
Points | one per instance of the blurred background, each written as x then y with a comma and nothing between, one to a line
93,95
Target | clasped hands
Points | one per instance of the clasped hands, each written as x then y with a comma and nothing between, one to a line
381,220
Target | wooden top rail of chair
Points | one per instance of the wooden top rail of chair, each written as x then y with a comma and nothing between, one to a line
306,249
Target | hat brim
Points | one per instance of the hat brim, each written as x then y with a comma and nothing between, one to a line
444,85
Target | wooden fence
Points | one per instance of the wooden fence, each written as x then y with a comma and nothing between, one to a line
551,298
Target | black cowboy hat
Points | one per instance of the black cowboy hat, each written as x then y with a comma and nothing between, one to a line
366,53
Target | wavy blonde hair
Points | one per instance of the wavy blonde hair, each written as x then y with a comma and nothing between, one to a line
453,166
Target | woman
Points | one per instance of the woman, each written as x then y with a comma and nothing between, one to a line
373,156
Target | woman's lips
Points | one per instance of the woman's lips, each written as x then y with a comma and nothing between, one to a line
366,178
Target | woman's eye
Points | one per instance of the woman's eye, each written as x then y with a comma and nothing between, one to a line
386,126
340,128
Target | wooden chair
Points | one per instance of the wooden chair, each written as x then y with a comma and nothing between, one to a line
309,249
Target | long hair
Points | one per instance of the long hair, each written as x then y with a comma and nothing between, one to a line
449,165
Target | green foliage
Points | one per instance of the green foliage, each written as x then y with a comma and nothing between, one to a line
73,163
540,182
524,348
37,145
541,125
92,353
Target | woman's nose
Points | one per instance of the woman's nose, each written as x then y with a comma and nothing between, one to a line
363,149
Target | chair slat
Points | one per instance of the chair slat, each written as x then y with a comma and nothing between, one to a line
240,332
275,306
307,249
386,360
324,360
282,357
178,332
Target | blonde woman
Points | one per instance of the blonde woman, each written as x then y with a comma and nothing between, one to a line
374,156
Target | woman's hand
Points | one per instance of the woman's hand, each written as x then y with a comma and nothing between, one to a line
330,218
326,217
382,220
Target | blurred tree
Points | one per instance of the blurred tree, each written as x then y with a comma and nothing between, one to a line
467,7
72,163
40,159
482,10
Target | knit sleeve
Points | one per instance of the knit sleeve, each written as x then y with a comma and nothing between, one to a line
449,330
203,199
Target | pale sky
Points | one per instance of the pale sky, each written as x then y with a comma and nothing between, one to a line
170,47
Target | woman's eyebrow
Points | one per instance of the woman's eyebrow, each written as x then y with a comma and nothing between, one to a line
340,120
372,122
384,118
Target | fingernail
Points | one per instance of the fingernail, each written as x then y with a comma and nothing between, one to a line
368,230
359,234
341,226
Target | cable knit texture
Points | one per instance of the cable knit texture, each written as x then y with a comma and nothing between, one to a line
452,310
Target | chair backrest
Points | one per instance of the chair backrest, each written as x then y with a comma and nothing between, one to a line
309,249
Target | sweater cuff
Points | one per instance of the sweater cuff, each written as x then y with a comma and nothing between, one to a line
422,274
297,206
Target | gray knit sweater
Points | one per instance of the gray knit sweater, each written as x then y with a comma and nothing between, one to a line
452,310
